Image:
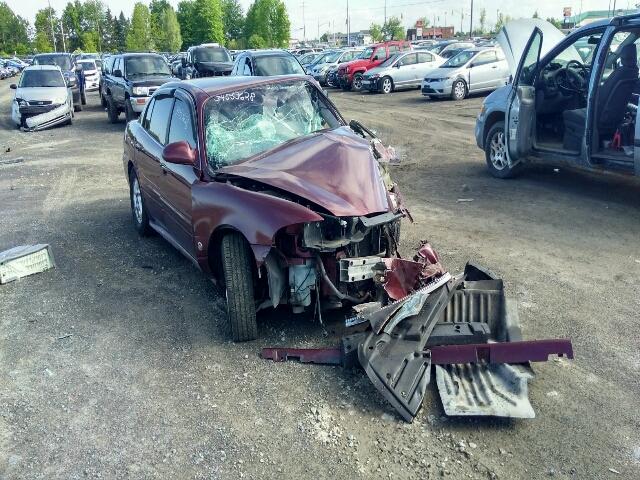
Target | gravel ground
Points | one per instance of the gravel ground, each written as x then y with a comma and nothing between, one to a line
117,363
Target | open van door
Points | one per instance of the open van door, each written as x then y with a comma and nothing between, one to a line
521,110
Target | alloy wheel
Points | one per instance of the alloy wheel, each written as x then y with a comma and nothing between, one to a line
498,151
386,85
137,200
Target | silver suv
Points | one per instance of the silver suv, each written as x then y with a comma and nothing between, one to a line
321,70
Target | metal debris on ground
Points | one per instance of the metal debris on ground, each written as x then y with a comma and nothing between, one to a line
463,325
25,260
10,161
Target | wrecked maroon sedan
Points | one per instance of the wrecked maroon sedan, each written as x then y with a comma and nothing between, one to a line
263,185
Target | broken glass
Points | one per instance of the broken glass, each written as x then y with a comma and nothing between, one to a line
244,123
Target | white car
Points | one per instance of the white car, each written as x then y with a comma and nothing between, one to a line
91,74
42,99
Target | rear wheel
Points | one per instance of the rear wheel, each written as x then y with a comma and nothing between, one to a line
138,208
495,148
458,90
386,85
238,280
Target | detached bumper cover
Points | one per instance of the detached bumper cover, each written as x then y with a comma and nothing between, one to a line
48,119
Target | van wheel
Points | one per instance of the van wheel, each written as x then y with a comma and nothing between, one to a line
112,110
238,281
458,90
386,85
495,148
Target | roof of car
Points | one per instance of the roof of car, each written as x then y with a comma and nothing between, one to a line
267,53
52,54
139,54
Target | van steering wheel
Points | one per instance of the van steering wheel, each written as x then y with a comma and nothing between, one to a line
572,81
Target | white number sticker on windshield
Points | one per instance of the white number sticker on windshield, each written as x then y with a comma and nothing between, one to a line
239,96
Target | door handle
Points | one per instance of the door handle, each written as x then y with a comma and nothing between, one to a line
495,66
164,167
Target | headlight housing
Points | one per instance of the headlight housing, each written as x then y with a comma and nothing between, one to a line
59,100
375,76
21,102
141,91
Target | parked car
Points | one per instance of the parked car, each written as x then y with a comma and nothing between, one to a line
403,70
332,77
129,81
320,58
320,70
263,185
207,60
455,48
266,63
91,74
439,46
308,58
350,73
471,71
66,65
42,99
565,108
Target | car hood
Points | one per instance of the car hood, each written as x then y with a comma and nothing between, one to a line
378,71
355,63
443,72
320,66
152,81
335,170
35,94
514,36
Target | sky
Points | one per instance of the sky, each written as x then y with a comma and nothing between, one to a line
331,14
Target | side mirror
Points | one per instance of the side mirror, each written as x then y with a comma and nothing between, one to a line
471,65
183,62
375,58
397,65
13,86
117,73
179,153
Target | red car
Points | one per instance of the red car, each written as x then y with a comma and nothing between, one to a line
350,73
262,184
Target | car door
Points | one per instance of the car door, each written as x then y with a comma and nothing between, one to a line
425,62
405,70
520,115
117,91
483,71
176,180
149,155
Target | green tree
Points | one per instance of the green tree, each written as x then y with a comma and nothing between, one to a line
256,41
139,34
89,42
171,39
501,22
536,14
324,38
269,20
393,29
44,40
120,30
376,32
555,22
483,20
186,15
232,19
14,36
207,23
425,21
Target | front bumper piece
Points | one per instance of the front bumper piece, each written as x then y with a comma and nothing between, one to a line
56,116
465,327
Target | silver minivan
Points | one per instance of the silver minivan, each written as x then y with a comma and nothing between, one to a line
403,70
471,71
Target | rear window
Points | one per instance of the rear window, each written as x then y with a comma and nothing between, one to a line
62,61
244,123
211,55
41,78
87,64
277,65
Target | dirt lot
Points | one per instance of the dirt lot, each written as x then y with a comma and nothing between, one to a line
148,385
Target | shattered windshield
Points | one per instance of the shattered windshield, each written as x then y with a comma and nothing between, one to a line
211,55
144,66
244,123
41,78
277,65
62,61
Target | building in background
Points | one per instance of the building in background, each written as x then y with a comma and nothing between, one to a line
584,18
363,37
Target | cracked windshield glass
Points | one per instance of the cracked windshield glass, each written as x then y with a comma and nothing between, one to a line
244,123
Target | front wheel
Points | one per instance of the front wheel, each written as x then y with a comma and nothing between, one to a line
458,90
357,82
237,267
495,148
386,85
128,111
112,110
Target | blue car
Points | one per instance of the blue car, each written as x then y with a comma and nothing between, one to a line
566,104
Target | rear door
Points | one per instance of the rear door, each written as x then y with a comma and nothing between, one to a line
426,62
483,71
521,108
176,180
406,67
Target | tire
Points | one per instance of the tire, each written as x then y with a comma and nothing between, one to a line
128,111
138,209
495,150
103,102
356,85
112,110
458,90
238,282
386,85
83,98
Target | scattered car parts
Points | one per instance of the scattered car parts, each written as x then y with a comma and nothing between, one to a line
24,260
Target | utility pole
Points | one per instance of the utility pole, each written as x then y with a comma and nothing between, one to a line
385,11
64,46
348,26
471,23
53,34
304,25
